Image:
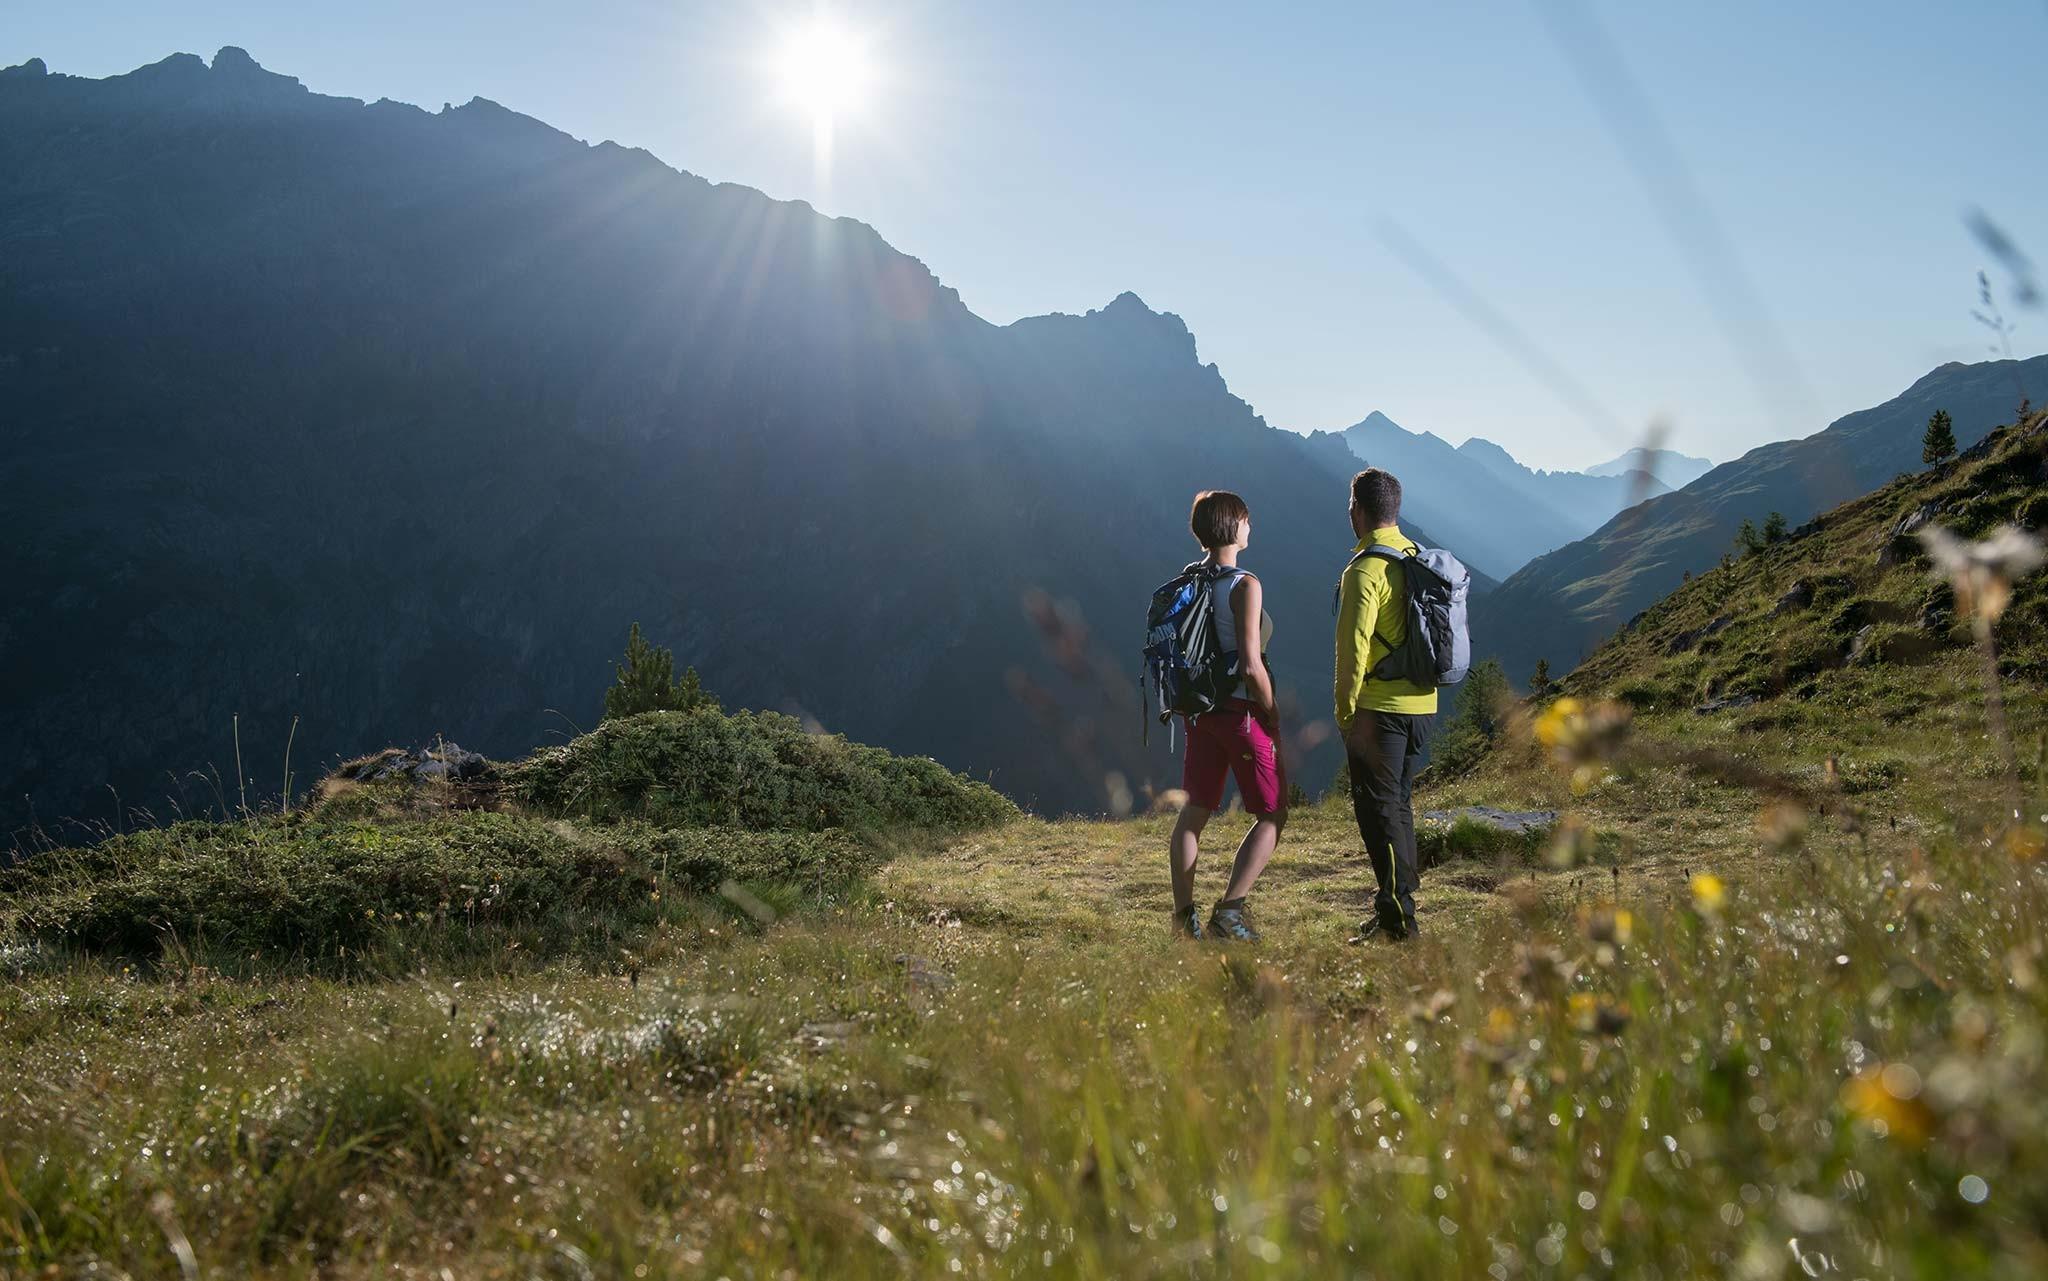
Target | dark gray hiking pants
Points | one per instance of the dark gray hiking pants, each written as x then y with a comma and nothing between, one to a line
1385,750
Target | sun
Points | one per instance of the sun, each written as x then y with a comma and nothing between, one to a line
824,71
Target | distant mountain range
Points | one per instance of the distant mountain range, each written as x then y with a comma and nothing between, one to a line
1672,469
1562,604
1497,513
392,421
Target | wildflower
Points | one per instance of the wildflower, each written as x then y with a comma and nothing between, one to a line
1597,1014
1983,573
1435,1007
1580,734
2025,844
1500,1024
1610,925
1887,1099
1554,726
1540,969
1571,845
1708,892
1782,826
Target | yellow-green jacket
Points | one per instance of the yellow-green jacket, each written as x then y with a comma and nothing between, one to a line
1372,621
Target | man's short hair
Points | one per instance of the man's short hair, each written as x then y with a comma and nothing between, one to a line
1378,495
1216,516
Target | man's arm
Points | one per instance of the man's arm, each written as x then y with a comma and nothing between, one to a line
1358,608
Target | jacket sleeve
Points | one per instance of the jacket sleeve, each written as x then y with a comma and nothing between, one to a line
1358,606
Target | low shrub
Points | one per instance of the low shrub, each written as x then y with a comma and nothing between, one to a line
754,770
1643,694
1468,838
324,889
1810,655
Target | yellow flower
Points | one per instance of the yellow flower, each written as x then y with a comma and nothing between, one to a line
1708,893
2025,844
1592,1014
1610,925
1887,1098
1500,1024
1582,1006
1555,727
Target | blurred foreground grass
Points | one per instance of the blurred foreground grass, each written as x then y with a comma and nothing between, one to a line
988,1058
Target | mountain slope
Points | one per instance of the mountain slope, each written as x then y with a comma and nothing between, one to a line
391,422
1560,605
1846,617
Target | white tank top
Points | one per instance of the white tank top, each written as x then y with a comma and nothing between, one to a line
1226,617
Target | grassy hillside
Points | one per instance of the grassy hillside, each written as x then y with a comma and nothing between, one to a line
1563,604
1766,1002
1846,616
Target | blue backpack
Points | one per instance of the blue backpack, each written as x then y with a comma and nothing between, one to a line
1438,647
1185,663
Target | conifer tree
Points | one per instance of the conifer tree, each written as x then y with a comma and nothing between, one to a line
1749,538
646,682
1539,680
1774,529
1939,444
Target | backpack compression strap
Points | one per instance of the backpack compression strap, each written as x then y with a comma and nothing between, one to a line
1381,550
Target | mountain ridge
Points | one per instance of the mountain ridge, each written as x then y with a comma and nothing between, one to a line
390,421
1495,511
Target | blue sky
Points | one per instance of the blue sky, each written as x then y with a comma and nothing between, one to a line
1241,165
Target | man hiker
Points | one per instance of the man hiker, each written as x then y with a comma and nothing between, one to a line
1385,723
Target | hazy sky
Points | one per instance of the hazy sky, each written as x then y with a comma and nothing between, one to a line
1744,218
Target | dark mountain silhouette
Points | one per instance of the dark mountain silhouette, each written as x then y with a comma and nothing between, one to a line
392,421
1496,512
1561,605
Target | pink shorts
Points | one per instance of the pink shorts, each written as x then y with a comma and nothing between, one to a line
1228,741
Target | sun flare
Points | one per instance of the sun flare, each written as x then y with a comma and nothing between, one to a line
823,71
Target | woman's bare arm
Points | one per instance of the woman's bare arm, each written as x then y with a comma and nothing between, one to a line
1248,603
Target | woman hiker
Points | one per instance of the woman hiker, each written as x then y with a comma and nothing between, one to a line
1239,738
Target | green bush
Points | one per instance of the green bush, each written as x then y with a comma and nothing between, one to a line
1811,655
755,770
1643,694
318,888
1468,838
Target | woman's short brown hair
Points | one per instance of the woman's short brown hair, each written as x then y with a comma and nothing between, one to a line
1216,517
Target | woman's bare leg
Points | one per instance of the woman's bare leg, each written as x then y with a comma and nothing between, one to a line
1183,850
1252,855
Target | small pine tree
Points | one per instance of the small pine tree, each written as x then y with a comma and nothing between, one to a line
1539,680
1939,444
1774,529
646,682
1749,538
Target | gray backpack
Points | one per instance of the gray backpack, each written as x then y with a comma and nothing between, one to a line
1438,647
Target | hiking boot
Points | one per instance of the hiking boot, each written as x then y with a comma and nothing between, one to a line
1231,925
1187,923
1391,931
